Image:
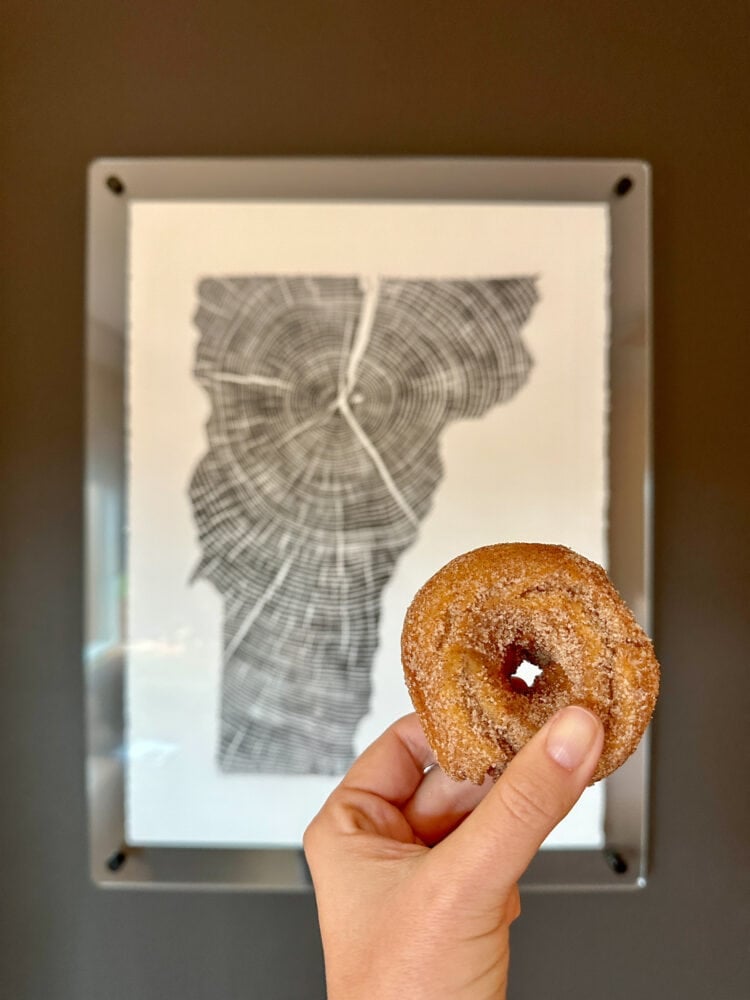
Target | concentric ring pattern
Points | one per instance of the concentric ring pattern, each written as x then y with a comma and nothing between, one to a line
328,396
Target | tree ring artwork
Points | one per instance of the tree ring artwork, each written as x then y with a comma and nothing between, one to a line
325,402
328,398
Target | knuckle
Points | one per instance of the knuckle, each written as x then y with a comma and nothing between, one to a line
526,803
513,906
339,815
311,837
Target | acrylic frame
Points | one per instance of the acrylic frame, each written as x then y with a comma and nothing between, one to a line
624,185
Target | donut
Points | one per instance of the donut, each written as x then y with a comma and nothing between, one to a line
483,614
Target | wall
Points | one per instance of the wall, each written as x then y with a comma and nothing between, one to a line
666,82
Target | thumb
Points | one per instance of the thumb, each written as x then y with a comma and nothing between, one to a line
492,848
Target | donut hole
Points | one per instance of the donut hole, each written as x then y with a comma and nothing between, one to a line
527,672
523,668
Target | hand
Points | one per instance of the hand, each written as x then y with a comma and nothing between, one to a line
415,875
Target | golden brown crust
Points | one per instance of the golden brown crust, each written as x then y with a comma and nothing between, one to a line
472,623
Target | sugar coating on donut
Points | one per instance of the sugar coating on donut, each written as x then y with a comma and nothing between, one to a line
477,618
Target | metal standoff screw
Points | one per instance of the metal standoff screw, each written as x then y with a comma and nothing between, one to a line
117,860
616,862
623,186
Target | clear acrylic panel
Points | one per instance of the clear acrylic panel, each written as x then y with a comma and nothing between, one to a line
251,230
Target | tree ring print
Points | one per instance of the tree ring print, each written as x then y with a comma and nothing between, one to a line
328,398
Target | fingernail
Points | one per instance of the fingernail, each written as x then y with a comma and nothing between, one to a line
571,736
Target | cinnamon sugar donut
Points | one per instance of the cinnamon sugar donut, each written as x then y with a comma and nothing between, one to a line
472,624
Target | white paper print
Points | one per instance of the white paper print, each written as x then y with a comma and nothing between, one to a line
326,402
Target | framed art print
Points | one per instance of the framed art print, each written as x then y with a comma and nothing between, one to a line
311,383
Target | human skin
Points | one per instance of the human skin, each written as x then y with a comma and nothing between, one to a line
416,875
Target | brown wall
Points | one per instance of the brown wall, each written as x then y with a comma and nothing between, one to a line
664,81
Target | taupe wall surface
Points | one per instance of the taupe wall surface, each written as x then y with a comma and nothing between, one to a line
662,81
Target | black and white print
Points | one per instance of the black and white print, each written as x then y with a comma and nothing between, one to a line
325,402
328,397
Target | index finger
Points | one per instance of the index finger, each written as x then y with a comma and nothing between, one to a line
393,766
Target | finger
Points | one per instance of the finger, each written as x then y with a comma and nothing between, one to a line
439,804
370,796
393,766
494,845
